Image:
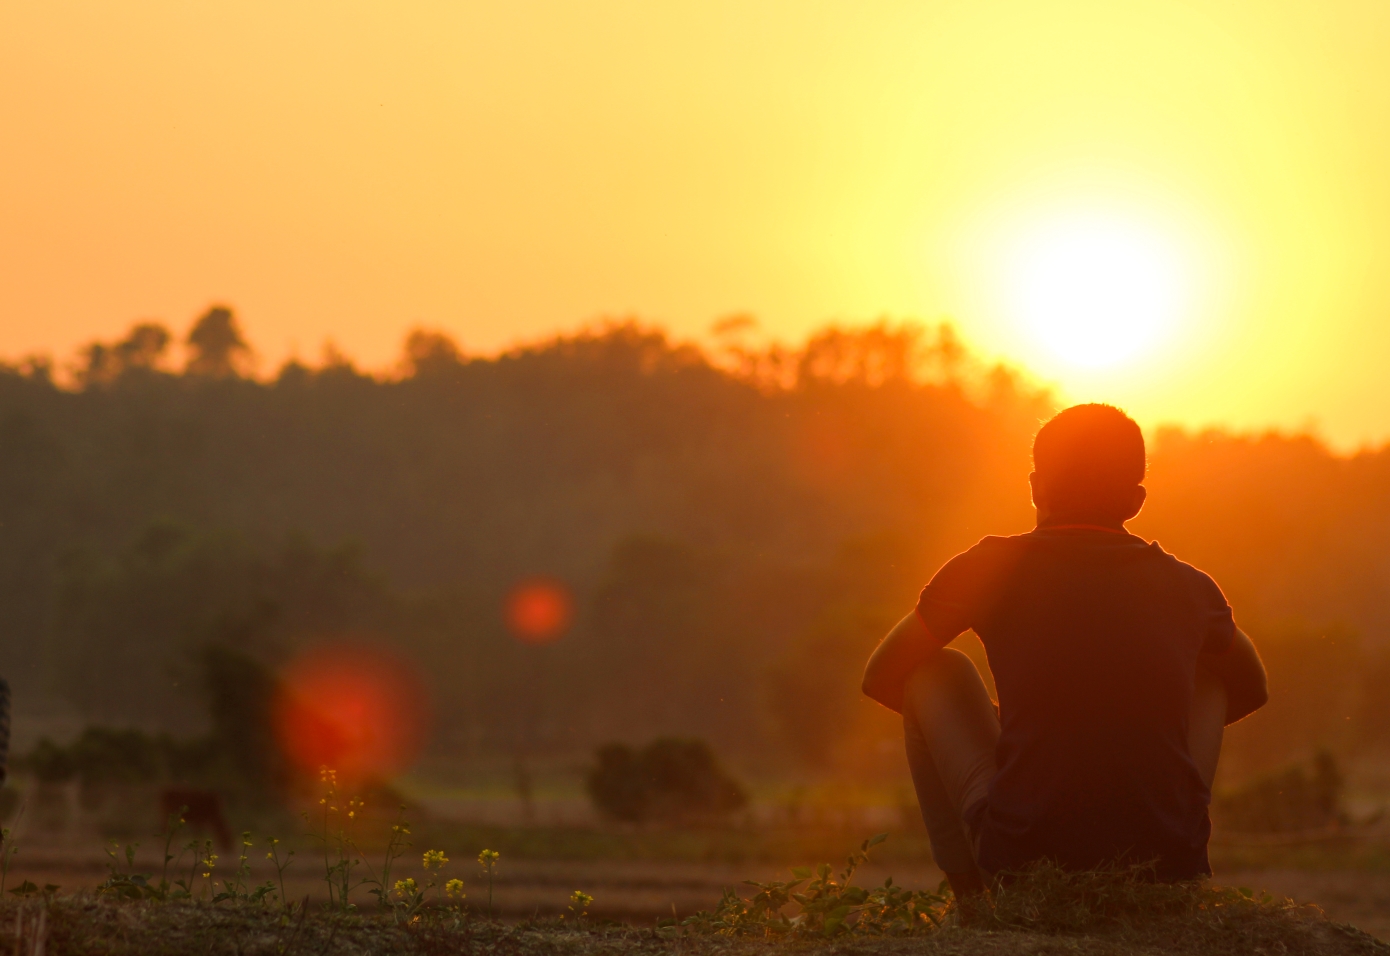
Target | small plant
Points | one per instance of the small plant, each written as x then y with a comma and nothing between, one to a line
172,826
830,906
200,852
488,859
125,883
395,847
238,888
273,855
208,863
434,860
409,899
579,904
340,853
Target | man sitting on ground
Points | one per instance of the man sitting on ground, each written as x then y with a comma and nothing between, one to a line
1116,666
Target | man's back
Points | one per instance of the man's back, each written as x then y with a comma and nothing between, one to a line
1093,636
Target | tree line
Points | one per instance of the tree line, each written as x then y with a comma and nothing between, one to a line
736,527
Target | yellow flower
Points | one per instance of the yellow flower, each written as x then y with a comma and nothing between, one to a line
435,859
579,899
488,857
455,889
405,887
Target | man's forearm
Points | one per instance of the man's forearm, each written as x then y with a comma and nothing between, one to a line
907,647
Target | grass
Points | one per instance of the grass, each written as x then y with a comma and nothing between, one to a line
1046,911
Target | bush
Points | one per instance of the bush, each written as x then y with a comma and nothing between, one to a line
670,779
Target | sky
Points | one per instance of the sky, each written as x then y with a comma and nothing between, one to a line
1201,185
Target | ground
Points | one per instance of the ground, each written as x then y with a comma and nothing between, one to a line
1035,920
645,882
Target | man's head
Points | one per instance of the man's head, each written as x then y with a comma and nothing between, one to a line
1088,465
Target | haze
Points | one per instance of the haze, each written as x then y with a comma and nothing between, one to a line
348,171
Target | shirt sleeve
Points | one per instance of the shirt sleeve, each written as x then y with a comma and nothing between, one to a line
1218,624
950,603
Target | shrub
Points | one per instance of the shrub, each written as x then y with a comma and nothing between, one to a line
670,779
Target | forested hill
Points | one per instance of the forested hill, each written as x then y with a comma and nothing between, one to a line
735,532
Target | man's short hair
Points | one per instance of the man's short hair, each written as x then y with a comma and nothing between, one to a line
1090,457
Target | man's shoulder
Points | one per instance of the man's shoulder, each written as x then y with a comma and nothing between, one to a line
986,557
997,543
1200,584
1176,561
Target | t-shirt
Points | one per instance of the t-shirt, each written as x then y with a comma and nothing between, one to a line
1093,637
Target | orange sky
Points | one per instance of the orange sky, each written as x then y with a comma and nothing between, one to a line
503,170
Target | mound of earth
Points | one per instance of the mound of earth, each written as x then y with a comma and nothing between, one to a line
1023,924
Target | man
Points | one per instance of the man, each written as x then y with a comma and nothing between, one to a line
1116,666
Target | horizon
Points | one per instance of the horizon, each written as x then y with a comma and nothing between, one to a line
265,370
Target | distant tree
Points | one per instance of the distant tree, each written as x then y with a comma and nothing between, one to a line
429,353
132,635
240,696
142,349
144,346
217,347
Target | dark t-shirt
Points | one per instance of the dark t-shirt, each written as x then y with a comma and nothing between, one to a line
1093,637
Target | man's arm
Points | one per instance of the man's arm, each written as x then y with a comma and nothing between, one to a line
908,645
1243,674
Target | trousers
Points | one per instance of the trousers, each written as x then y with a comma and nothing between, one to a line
951,728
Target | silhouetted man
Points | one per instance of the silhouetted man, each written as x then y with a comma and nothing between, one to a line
1116,666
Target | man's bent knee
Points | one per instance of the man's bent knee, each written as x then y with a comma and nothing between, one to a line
946,668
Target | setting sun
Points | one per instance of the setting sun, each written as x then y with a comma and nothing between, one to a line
1095,290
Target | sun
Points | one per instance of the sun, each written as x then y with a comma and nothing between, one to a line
1096,290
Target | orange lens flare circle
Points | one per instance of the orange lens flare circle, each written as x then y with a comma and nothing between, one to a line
538,611
357,710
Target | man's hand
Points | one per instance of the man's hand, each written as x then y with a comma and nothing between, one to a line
907,647
1243,674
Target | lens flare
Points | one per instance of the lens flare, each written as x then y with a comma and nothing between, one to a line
538,611
358,710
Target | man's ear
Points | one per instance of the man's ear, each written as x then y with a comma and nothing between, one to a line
1138,495
1033,484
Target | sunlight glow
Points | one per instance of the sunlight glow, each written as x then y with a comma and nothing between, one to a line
1096,290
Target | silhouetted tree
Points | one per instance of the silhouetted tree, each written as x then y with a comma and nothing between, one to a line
216,345
142,349
430,353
